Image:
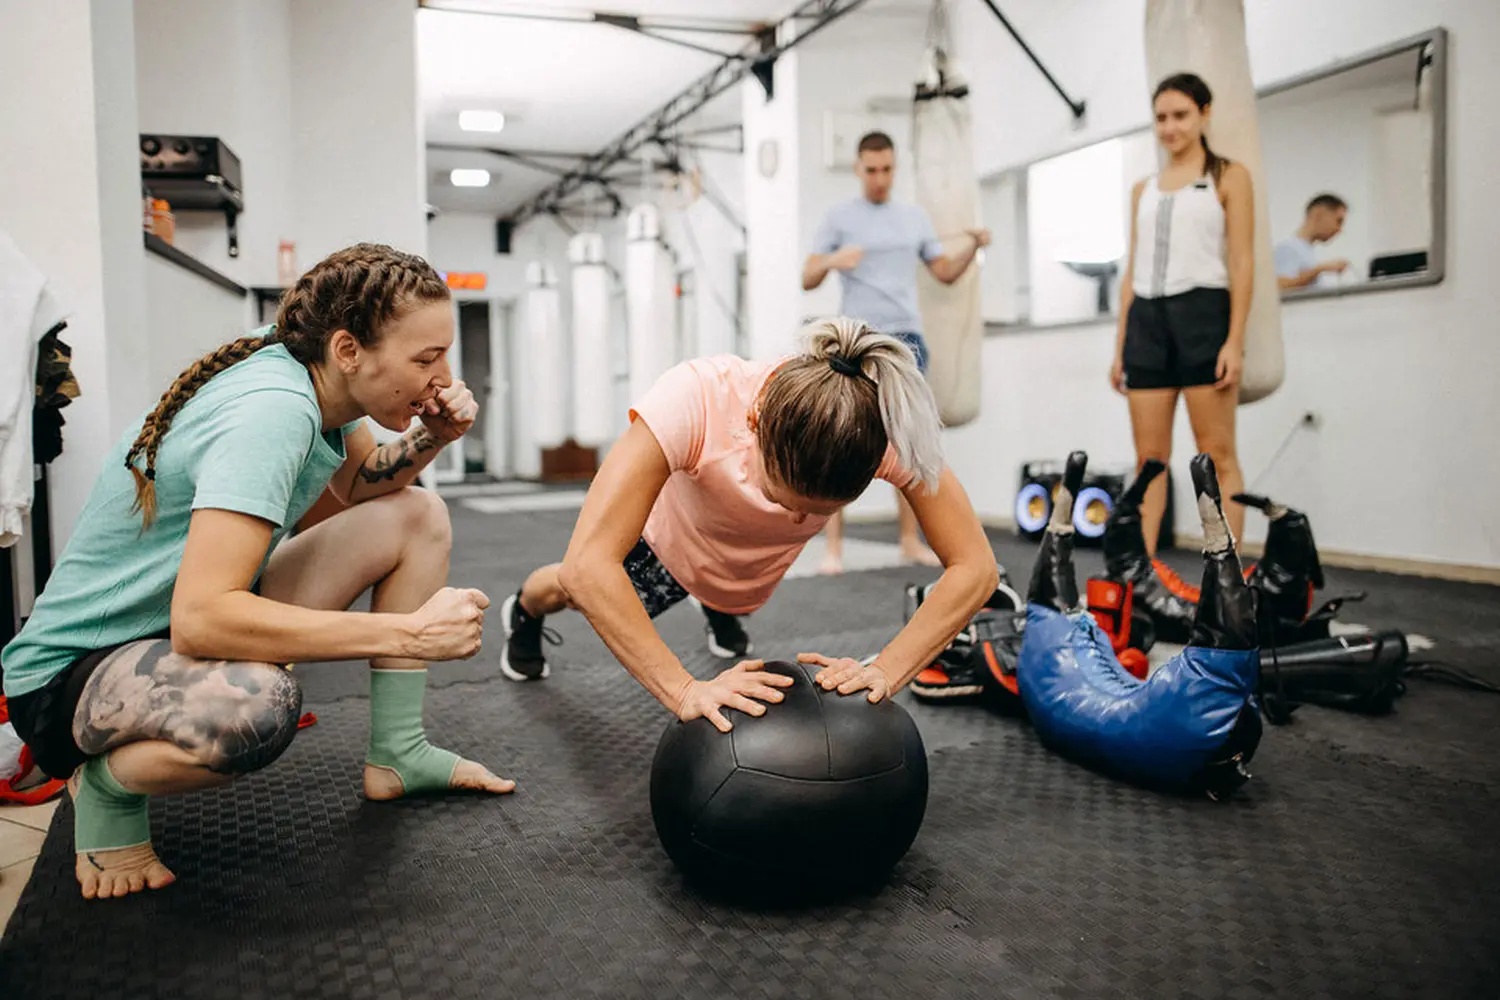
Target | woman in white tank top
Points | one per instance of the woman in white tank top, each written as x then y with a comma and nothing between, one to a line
1185,297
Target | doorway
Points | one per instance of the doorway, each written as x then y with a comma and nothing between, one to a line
478,373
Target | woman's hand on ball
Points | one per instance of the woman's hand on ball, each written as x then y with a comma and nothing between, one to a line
848,675
736,688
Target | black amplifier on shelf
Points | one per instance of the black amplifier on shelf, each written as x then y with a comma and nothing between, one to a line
195,172
189,157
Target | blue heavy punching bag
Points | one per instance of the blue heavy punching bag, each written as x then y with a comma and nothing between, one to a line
1192,726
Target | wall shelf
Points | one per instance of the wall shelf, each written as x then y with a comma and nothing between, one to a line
155,244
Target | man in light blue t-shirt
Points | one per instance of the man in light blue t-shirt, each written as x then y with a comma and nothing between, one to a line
1297,264
875,244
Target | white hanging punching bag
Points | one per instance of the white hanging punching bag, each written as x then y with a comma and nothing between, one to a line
546,379
650,300
1207,37
593,382
949,191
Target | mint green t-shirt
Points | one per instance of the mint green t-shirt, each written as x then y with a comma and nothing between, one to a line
249,440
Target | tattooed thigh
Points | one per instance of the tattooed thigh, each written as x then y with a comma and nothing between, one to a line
234,716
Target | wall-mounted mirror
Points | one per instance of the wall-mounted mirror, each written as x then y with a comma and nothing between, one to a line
1369,132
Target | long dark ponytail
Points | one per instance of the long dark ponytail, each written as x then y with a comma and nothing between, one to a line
1191,86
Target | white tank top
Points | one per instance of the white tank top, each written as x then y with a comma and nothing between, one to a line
1179,240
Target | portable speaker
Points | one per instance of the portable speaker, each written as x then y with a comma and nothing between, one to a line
1037,494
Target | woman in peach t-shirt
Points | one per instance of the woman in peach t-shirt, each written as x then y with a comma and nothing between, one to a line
728,468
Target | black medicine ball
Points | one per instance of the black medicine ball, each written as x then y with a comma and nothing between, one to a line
823,793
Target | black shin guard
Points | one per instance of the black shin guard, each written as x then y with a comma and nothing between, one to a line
1053,583
1226,604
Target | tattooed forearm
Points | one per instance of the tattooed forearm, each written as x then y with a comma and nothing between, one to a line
422,440
389,460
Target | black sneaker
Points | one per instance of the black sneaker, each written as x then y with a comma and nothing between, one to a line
521,658
726,636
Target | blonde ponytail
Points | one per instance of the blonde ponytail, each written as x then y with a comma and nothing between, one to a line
828,415
908,410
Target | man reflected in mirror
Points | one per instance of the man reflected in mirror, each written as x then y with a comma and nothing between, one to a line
1297,265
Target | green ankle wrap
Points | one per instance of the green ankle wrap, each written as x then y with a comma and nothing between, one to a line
396,737
105,816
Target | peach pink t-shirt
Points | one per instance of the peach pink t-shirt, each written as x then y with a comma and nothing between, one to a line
712,527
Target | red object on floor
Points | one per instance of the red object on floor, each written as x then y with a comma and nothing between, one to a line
308,719
1175,584
31,796
1135,661
1112,604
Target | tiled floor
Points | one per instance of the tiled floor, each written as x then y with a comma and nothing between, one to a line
22,829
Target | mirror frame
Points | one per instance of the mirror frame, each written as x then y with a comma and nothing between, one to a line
1436,270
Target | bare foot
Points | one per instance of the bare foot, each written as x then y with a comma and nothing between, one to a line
383,784
106,874
915,553
833,564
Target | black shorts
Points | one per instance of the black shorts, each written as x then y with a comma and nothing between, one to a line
44,718
1173,342
657,588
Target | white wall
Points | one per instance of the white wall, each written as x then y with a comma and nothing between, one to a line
774,246
214,316
128,342
318,98
709,245
1401,379
188,83
72,61
356,131
220,69
224,69
1004,282
844,90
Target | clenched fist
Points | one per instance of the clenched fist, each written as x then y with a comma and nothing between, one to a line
449,626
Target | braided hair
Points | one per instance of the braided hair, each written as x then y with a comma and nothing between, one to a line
359,289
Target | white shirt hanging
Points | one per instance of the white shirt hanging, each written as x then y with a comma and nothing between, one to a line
27,311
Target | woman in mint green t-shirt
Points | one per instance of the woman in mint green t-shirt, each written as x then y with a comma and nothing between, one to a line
154,660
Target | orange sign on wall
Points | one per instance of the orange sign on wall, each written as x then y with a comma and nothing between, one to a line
468,281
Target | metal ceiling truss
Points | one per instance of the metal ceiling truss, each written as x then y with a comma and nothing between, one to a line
526,158
660,127
756,59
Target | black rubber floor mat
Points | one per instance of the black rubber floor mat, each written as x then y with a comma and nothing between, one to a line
1336,873
1362,860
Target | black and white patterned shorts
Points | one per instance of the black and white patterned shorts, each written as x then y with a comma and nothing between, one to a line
657,589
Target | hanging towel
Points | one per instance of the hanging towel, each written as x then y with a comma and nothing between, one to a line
28,312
